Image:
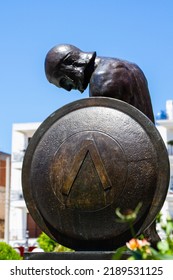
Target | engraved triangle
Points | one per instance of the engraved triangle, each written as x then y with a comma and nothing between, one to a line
86,193
88,146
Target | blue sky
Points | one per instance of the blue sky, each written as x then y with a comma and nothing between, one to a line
138,31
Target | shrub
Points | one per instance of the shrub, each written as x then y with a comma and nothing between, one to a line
8,253
46,243
49,245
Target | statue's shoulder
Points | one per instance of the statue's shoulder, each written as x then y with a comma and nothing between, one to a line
112,75
111,65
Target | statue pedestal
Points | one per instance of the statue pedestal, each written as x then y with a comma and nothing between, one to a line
80,255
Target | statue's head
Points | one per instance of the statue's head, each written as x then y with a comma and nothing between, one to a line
68,67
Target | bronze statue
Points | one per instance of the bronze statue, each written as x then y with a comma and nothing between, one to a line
66,66
95,155
70,68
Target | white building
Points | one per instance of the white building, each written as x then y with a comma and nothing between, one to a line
20,219
164,124
4,193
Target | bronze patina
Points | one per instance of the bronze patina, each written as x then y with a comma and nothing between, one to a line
68,67
87,159
95,155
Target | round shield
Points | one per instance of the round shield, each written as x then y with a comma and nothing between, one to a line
86,160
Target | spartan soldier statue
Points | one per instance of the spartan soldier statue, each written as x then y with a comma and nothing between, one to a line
68,67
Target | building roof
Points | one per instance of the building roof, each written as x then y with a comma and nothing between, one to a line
4,154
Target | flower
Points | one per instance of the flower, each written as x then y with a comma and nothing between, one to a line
143,243
135,244
132,244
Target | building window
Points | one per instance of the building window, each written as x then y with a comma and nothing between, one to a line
171,184
170,147
29,139
1,229
34,230
2,172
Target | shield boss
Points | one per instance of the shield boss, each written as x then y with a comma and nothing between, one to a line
87,159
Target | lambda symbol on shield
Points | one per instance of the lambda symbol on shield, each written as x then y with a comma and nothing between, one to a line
87,150
80,173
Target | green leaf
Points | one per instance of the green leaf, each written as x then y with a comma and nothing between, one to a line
137,255
159,256
119,252
169,227
163,246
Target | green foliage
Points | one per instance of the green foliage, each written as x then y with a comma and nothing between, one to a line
49,245
46,243
61,248
139,248
165,247
8,253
